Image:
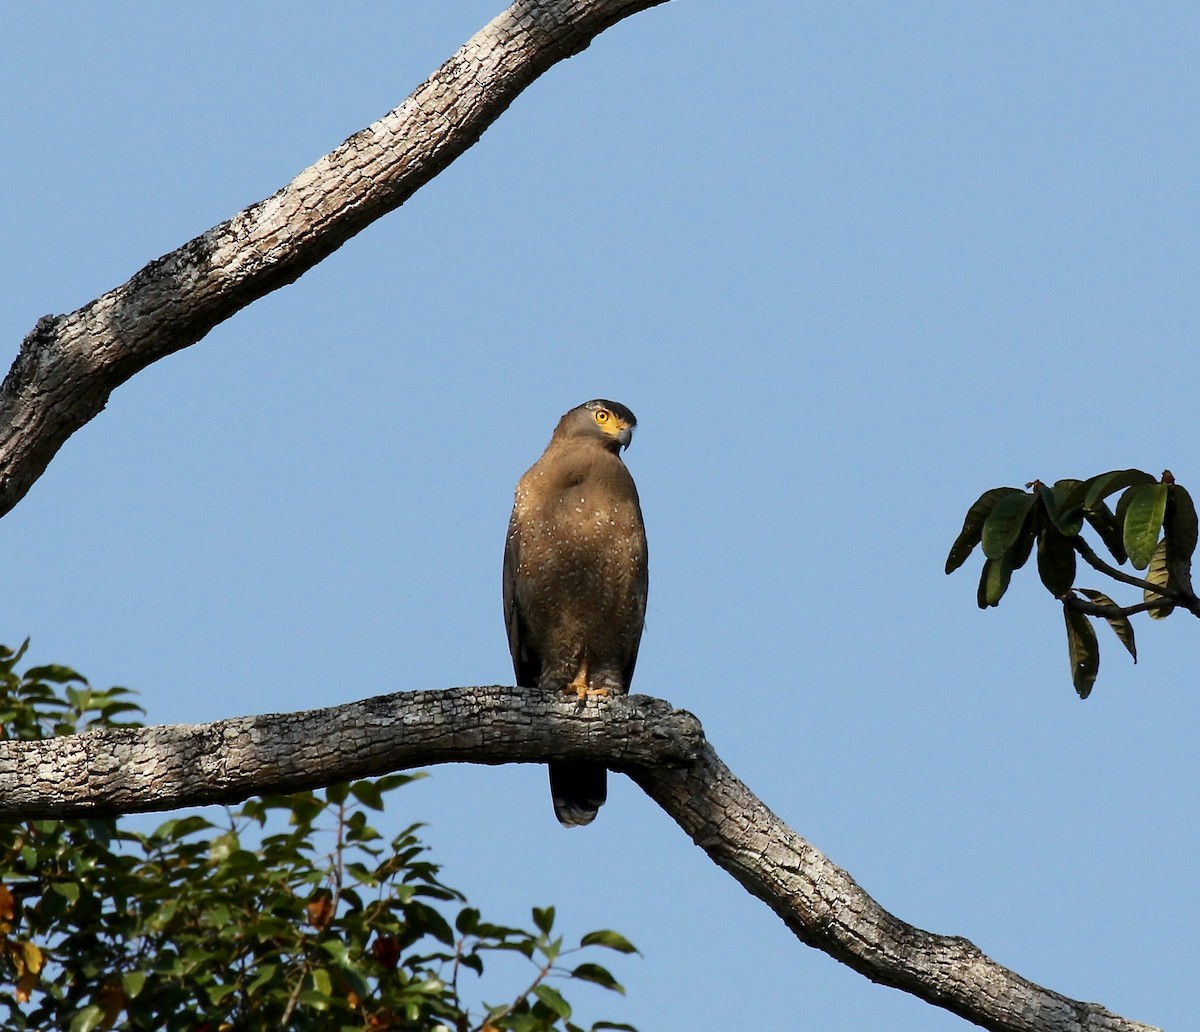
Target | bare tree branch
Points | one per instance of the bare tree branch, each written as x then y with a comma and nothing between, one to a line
662,749
69,365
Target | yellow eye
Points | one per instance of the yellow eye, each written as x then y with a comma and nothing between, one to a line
602,416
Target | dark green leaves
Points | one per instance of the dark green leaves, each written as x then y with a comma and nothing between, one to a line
993,582
609,939
1154,528
1006,524
1180,524
1083,651
598,975
972,527
1009,523
1102,520
1056,561
544,919
1061,505
1099,488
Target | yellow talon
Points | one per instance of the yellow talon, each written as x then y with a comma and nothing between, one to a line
581,689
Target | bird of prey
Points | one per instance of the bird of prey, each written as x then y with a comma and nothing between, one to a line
575,579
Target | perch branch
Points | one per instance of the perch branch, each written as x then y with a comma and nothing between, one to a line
112,771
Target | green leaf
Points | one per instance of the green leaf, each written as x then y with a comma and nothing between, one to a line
223,847
87,1019
263,975
981,591
552,949
609,939
1068,519
367,793
133,982
392,781
1069,493
553,999
598,975
1004,526
1083,651
1180,524
68,890
54,673
179,828
1056,562
543,919
217,993
993,582
322,982
1104,523
1143,521
1100,487
1018,555
1120,624
337,793
1159,572
164,915
311,998
972,526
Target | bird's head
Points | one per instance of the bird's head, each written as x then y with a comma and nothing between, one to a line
609,422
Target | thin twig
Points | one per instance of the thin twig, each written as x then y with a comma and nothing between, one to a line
1111,612
1184,599
294,998
458,948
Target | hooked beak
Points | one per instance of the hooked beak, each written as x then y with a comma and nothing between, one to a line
624,436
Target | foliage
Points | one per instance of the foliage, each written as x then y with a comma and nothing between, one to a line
288,912
1153,528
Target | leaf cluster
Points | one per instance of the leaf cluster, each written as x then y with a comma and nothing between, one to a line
287,912
1152,528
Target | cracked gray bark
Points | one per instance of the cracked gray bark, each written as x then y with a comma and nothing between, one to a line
662,749
68,366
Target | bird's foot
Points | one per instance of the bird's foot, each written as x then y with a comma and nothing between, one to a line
582,690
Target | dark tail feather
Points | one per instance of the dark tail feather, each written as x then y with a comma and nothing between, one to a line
578,789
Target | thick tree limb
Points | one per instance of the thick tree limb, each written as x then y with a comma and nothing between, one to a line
107,771
662,749
69,365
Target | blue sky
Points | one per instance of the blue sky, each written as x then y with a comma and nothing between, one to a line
850,265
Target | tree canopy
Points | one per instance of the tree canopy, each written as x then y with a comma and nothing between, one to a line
289,911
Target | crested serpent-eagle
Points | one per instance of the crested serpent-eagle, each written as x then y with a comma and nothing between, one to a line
575,579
